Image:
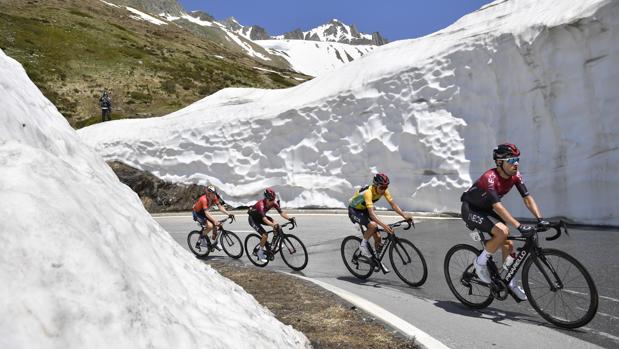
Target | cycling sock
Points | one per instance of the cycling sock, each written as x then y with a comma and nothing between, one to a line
483,257
364,242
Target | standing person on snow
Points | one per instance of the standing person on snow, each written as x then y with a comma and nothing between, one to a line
105,102
482,209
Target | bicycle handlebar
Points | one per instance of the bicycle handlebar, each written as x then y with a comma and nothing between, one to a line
399,223
556,226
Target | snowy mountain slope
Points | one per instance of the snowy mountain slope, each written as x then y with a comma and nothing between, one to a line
84,265
315,58
541,74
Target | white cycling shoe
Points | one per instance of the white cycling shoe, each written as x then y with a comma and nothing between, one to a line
365,251
482,272
518,292
262,258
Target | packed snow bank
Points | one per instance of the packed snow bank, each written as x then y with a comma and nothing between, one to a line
315,58
428,111
82,264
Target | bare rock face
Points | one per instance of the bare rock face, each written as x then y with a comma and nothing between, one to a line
296,34
156,194
259,33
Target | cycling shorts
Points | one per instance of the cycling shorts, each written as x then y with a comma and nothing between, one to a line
257,224
479,219
359,216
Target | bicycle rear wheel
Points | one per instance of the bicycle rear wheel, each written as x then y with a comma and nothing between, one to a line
231,244
358,265
560,289
252,243
462,279
193,241
408,262
293,252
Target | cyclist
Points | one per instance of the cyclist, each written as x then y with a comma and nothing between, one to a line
482,209
200,214
257,217
361,210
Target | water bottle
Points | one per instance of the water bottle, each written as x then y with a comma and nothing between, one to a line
508,262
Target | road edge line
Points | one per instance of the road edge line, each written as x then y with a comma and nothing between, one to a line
422,338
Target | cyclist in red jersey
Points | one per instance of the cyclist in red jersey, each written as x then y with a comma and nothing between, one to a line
257,217
482,209
200,214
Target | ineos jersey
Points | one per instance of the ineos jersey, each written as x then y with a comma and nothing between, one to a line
491,187
261,208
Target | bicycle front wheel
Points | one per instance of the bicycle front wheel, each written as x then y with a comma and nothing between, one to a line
358,265
193,240
231,244
560,289
293,252
462,279
252,244
408,262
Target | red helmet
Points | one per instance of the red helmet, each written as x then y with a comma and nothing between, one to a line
269,194
381,179
505,151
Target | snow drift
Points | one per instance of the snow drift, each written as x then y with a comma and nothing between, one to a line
428,111
82,264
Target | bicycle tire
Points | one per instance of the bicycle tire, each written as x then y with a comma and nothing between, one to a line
231,244
467,288
293,252
350,255
412,262
252,242
192,241
586,290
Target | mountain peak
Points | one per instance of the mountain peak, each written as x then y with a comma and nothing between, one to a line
336,31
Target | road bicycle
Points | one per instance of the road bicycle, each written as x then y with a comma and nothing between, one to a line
406,259
290,247
229,241
557,286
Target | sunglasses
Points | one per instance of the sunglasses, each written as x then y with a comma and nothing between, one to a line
383,187
512,161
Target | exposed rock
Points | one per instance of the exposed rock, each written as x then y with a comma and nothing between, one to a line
296,34
156,194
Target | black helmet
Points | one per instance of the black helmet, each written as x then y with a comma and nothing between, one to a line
505,151
269,194
381,179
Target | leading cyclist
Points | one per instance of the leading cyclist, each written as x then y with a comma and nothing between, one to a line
482,209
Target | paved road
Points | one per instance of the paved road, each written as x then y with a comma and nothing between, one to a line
432,308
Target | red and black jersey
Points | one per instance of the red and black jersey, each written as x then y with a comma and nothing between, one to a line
491,187
261,208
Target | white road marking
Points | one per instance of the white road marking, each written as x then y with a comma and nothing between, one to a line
423,339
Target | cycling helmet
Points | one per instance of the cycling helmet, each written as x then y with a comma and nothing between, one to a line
269,194
211,189
381,179
505,151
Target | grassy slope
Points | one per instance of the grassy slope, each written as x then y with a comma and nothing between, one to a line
73,49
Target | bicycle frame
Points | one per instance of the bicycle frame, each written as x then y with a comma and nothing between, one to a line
530,249
275,246
390,238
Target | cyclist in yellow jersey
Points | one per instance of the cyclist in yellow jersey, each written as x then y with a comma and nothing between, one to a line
361,210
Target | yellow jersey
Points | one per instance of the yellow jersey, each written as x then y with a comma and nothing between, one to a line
365,197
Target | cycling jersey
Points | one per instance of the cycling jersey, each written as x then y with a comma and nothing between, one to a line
490,188
203,203
260,209
365,197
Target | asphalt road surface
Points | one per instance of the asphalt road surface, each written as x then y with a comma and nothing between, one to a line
432,307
